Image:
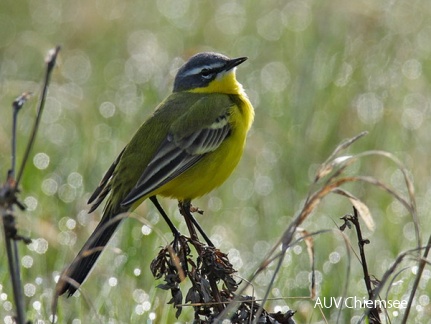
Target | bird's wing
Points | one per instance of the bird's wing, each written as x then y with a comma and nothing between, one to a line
188,141
104,186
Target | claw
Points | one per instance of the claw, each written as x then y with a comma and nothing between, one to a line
194,209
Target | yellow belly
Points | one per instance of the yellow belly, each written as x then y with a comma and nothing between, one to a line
214,168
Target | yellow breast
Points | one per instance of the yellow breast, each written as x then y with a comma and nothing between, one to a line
215,167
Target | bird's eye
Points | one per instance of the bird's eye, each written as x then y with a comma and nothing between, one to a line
206,73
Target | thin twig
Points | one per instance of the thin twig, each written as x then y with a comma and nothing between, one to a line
13,261
16,105
421,267
374,313
50,63
8,198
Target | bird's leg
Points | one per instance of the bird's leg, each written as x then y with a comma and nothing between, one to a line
174,230
196,224
186,209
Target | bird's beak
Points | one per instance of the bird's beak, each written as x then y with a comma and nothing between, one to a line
234,62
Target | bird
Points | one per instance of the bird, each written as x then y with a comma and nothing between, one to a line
189,146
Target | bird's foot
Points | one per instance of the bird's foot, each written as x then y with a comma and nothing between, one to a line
194,209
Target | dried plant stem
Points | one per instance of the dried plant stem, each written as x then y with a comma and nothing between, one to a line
13,261
50,63
374,316
8,191
421,267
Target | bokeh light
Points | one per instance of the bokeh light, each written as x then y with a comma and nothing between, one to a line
318,73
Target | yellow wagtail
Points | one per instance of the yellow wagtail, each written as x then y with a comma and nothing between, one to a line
189,146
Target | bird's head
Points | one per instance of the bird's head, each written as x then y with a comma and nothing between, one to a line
209,72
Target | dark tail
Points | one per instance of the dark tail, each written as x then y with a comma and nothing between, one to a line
81,266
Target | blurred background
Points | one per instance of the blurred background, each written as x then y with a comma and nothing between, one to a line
318,72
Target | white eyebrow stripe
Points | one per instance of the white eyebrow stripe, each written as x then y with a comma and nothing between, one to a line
198,69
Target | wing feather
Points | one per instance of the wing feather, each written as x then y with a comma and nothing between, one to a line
104,186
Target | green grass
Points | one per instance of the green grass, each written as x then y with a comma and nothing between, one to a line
318,72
